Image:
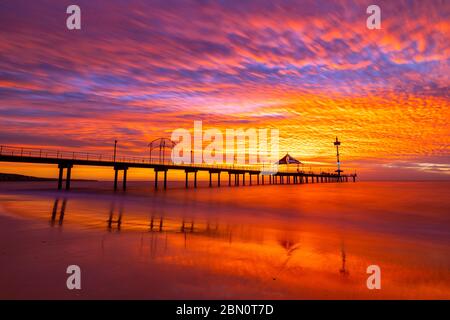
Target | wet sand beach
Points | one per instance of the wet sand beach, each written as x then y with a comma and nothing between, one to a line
259,242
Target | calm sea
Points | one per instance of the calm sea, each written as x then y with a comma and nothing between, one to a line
259,242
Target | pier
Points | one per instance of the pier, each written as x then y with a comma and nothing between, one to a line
245,175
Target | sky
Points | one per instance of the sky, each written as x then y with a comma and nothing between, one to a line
138,70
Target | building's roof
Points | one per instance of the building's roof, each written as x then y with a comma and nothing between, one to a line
287,159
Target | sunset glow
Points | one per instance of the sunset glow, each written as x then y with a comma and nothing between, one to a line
225,158
137,71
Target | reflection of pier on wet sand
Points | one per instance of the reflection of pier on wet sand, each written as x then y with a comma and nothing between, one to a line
116,221
161,227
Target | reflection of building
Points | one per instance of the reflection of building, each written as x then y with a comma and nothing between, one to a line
289,245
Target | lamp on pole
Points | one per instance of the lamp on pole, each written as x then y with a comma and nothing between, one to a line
162,144
115,148
337,143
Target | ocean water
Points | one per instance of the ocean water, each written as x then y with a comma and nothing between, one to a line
310,241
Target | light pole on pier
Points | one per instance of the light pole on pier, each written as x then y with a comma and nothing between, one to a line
115,148
337,143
